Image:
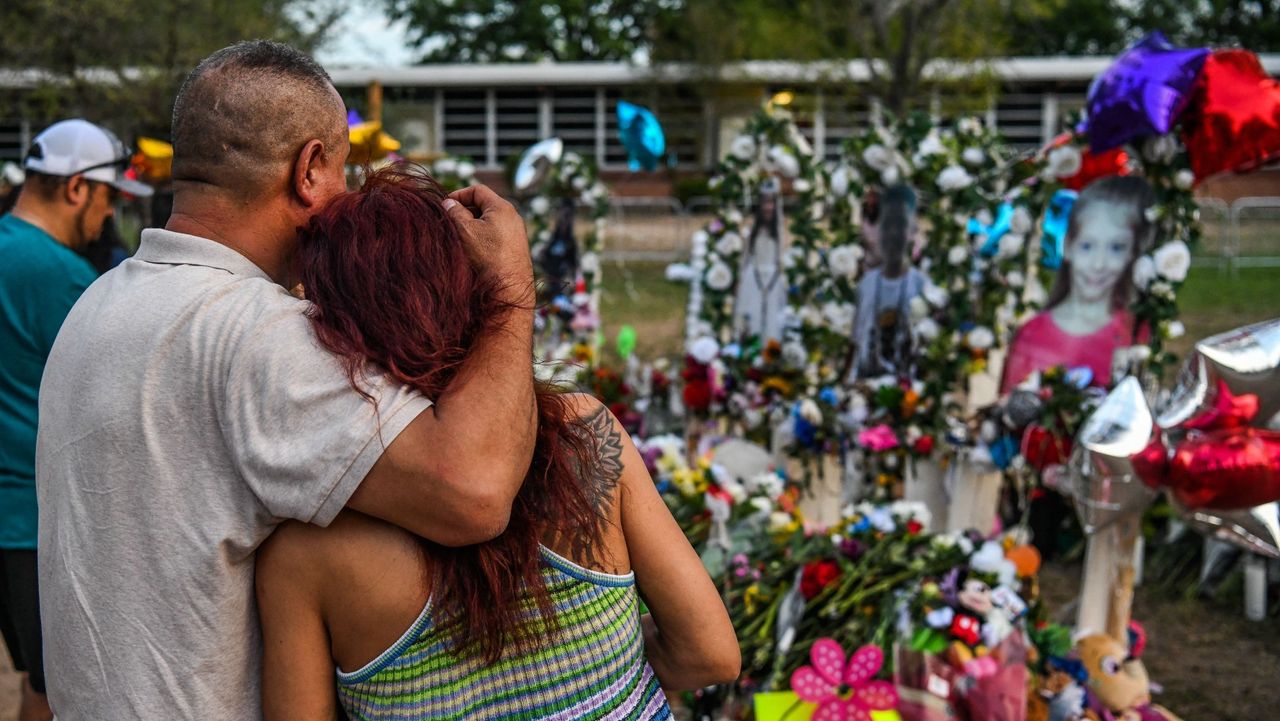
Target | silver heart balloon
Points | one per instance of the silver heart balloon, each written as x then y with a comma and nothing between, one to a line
1102,480
535,164
1254,529
1247,359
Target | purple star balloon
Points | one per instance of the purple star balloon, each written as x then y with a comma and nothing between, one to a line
1142,93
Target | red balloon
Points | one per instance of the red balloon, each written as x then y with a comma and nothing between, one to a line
1233,120
1098,165
1226,470
1092,165
1228,411
1151,463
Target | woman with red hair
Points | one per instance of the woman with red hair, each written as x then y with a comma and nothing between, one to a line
543,621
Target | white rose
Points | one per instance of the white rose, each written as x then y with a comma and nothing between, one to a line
794,355
729,244
931,145
1184,179
802,186
840,182
811,317
927,329
704,349
1021,221
844,260
571,159
1144,271
1015,279
778,521
1010,245
762,505
579,183
919,308
954,178
719,277
783,161
1162,289
980,338
1160,148
590,263
810,411
974,156
890,175
743,147
1064,162
733,217
1175,329
1172,260
877,157
599,190
969,126
539,205
466,170
838,315
957,255
936,296
446,166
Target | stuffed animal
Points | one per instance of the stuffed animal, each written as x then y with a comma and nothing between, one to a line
1118,687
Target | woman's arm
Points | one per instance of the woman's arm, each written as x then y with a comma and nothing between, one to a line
689,641
297,668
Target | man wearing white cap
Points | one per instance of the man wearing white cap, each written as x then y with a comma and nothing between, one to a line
74,171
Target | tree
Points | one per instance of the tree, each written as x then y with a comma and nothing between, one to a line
495,31
120,62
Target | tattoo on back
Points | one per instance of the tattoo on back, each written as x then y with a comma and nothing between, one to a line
602,480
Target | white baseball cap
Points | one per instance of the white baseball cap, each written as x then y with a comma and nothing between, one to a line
78,147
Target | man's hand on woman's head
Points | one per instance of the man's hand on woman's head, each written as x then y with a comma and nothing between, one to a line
494,229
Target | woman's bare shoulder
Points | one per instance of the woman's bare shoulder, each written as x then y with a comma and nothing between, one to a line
353,544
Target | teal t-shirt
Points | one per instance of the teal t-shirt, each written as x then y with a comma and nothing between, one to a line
40,279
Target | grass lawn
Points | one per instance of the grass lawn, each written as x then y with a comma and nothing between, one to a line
637,293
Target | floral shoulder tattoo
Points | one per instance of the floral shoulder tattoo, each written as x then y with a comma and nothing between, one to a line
606,441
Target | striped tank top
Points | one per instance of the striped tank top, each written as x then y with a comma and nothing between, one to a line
594,668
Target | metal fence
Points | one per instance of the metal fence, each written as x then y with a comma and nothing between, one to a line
1241,234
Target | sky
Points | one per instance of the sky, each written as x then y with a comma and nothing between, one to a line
364,38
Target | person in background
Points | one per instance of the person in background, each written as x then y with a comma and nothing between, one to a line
883,343
541,622
188,408
73,173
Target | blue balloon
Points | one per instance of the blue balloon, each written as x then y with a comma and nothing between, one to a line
1053,236
994,232
641,134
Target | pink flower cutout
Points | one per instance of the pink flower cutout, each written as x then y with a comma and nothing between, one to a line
878,438
843,692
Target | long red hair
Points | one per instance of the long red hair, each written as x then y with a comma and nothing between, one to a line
393,290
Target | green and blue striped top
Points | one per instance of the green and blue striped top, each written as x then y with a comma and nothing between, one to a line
594,668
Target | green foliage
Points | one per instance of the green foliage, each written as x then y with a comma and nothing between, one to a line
120,62
494,31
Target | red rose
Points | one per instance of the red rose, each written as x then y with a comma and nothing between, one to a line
817,576
914,526
923,445
1042,448
697,394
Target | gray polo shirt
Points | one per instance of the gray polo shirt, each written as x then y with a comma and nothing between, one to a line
185,410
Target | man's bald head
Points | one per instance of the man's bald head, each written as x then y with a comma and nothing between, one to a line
245,112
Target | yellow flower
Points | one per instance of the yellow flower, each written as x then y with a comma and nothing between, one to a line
776,383
884,479
686,481
583,353
751,597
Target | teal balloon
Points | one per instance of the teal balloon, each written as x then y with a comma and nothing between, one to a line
626,341
1053,236
642,136
997,230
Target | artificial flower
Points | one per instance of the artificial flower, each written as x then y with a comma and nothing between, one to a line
878,157
954,178
1172,260
826,681
878,438
729,243
719,277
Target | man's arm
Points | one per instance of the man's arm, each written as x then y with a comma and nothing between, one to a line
453,473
